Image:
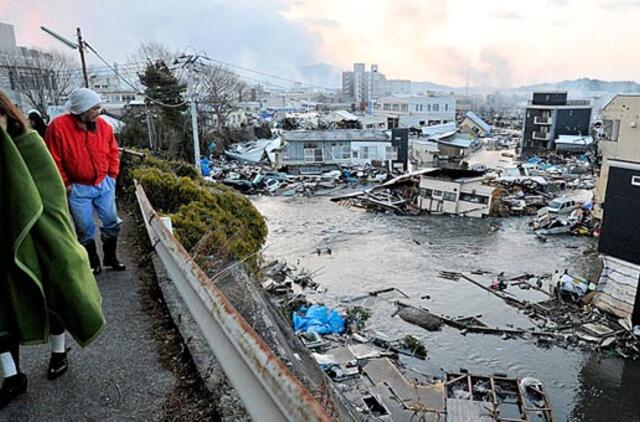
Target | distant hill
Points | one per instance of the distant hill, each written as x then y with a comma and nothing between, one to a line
585,87
321,74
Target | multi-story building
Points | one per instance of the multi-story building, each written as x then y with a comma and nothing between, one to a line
362,86
7,38
619,141
550,114
617,205
114,93
418,110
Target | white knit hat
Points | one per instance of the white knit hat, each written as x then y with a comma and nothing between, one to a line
81,100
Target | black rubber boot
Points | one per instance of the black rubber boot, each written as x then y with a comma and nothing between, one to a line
12,387
111,261
58,365
94,259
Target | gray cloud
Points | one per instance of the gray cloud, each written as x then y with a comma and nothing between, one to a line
237,31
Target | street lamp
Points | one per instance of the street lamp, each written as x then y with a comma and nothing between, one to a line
73,45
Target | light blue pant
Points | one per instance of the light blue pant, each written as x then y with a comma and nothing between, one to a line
84,199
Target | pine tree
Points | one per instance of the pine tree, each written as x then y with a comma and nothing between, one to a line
166,100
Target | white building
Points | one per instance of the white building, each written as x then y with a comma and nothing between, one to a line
418,110
459,192
115,94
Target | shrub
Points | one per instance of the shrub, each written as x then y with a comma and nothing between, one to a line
209,220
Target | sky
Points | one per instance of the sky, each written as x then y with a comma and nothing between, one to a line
487,43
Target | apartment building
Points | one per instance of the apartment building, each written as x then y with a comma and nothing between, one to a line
550,114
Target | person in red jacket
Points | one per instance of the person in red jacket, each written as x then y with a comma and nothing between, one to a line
85,151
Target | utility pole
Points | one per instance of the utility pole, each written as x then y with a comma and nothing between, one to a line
84,64
191,93
79,46
148,115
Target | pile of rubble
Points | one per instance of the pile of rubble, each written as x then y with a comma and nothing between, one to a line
260,178
566,318
375,374
398,195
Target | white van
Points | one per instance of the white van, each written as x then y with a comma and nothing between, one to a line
561,206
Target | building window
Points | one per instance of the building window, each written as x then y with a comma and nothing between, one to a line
341,152
368,153
405,107
436,107
437,193
610,129
428,107
426,193
446,107
417,107
396,107
476,199
386,107
312,155
392,153
449,196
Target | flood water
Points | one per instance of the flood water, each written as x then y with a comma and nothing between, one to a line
372,251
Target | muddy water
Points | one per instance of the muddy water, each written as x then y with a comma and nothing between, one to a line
372,251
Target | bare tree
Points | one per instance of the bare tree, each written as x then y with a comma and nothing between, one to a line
149,53
42,78
221,89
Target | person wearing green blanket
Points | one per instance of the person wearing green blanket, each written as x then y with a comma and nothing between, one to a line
46,282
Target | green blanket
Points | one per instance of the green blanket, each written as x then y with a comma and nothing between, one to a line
43,268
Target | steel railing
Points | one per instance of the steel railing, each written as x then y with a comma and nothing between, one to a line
268,389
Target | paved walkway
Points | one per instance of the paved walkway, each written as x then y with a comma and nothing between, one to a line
117,377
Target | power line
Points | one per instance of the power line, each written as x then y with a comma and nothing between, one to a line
270,75
136,90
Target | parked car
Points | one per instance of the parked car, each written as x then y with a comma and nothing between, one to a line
561,206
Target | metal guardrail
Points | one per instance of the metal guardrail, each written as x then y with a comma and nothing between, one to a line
268,389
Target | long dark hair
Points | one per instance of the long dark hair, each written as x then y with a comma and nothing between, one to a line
16,122
37,123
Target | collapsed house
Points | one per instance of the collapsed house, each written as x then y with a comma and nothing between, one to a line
318,151
258,151
459,192
474,125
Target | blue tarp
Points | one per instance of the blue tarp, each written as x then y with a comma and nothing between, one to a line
318,318
204,167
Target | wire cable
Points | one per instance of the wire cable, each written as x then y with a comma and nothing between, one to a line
136,90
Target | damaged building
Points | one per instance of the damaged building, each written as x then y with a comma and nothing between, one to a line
474,125
459,192
327,149
618,205
551,114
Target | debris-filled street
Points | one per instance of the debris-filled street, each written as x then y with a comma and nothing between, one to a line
446,265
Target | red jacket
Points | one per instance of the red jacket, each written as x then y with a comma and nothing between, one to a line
83,157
